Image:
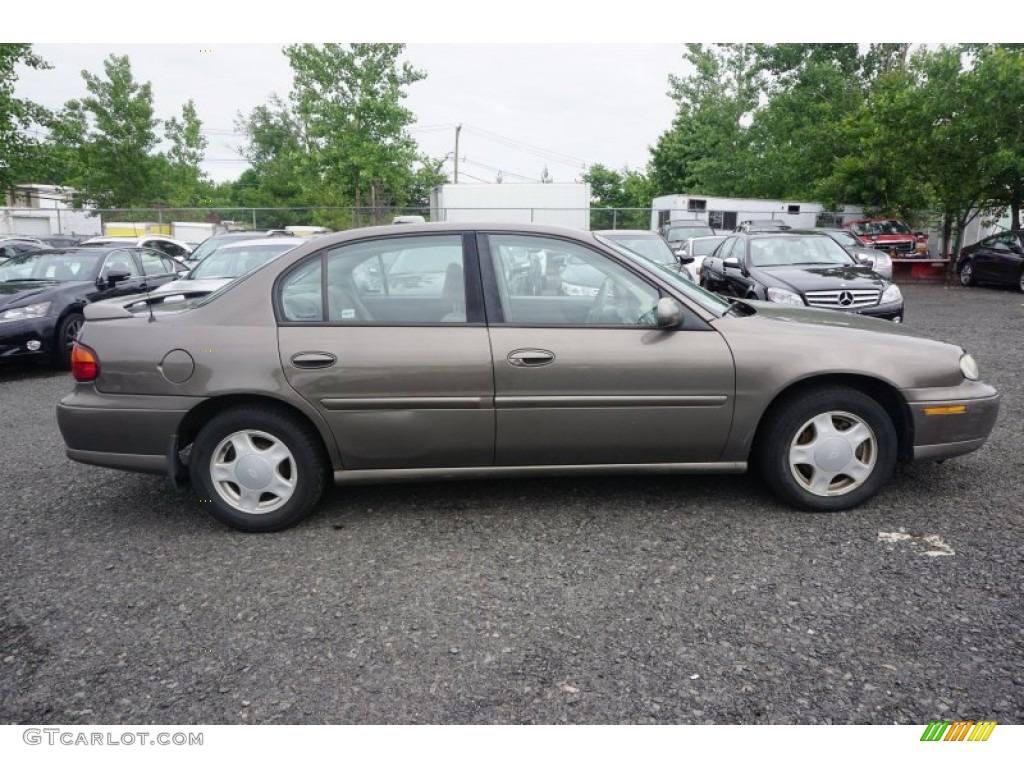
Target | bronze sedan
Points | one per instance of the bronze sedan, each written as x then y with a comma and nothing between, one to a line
421,352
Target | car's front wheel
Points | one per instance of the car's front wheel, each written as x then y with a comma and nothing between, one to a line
827,450
967,274
64,340
257,468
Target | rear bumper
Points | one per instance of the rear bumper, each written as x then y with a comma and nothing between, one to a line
96,431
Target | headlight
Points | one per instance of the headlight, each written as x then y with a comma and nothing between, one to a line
782,296
23,313
882,260
969,367
891,294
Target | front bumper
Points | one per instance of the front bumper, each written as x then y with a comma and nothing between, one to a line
18,337
891,311
960,421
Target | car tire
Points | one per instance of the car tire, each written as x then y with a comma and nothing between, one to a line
284,468
63,340
1020,281
967,274
826,450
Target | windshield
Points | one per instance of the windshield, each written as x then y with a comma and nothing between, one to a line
237,260
885,227
688,230
795,250
709,301
55,266
704,246
654,248
845,239
211,244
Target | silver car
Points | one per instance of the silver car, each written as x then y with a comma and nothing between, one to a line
311,368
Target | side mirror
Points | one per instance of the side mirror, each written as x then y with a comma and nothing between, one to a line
865,260
669,313
116,276
183,272
731,263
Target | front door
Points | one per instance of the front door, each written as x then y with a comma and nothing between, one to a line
582,374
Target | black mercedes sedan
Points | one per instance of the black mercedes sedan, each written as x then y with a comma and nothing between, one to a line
799,269
42,294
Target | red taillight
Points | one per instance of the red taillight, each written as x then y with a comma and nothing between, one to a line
85,366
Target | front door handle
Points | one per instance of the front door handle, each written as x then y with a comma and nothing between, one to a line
313,360
530,358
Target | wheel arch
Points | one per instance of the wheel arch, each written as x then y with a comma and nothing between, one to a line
196,418
881,391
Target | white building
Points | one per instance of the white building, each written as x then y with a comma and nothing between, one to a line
566,205
41,210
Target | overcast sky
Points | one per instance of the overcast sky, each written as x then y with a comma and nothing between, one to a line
573,98
521,106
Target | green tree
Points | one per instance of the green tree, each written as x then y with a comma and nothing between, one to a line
997,80
707,149
347,100
19,153
117,165
615,197
184,180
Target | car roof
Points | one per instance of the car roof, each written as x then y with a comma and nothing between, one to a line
249,243
630,232
91,249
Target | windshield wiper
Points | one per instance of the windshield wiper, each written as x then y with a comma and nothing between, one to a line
30,280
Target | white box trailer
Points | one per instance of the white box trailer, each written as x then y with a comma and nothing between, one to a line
566,205
724,214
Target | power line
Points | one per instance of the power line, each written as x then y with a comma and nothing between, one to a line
522,146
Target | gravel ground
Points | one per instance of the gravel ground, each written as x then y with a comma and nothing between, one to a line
631,600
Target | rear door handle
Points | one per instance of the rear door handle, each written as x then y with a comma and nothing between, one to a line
313,360
530,358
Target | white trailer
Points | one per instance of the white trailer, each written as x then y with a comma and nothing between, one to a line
724,214
566,205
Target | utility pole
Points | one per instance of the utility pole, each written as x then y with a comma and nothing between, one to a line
457,129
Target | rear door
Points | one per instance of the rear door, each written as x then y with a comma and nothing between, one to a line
396,358
583,376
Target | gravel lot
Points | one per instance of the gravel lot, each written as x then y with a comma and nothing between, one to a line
635,600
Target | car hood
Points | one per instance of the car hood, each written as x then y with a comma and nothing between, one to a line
886,238
18,293
829,317
820,277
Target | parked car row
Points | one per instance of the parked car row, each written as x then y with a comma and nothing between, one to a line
449,350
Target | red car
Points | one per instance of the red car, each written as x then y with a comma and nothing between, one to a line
892,236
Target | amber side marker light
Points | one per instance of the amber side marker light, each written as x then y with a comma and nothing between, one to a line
945,410
85,366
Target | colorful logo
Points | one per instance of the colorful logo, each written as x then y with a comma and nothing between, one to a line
958,730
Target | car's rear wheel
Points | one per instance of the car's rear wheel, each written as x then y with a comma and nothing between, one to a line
67,332
827,450
967,274
257,468
1020,280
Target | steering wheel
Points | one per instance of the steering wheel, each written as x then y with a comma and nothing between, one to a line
599,307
